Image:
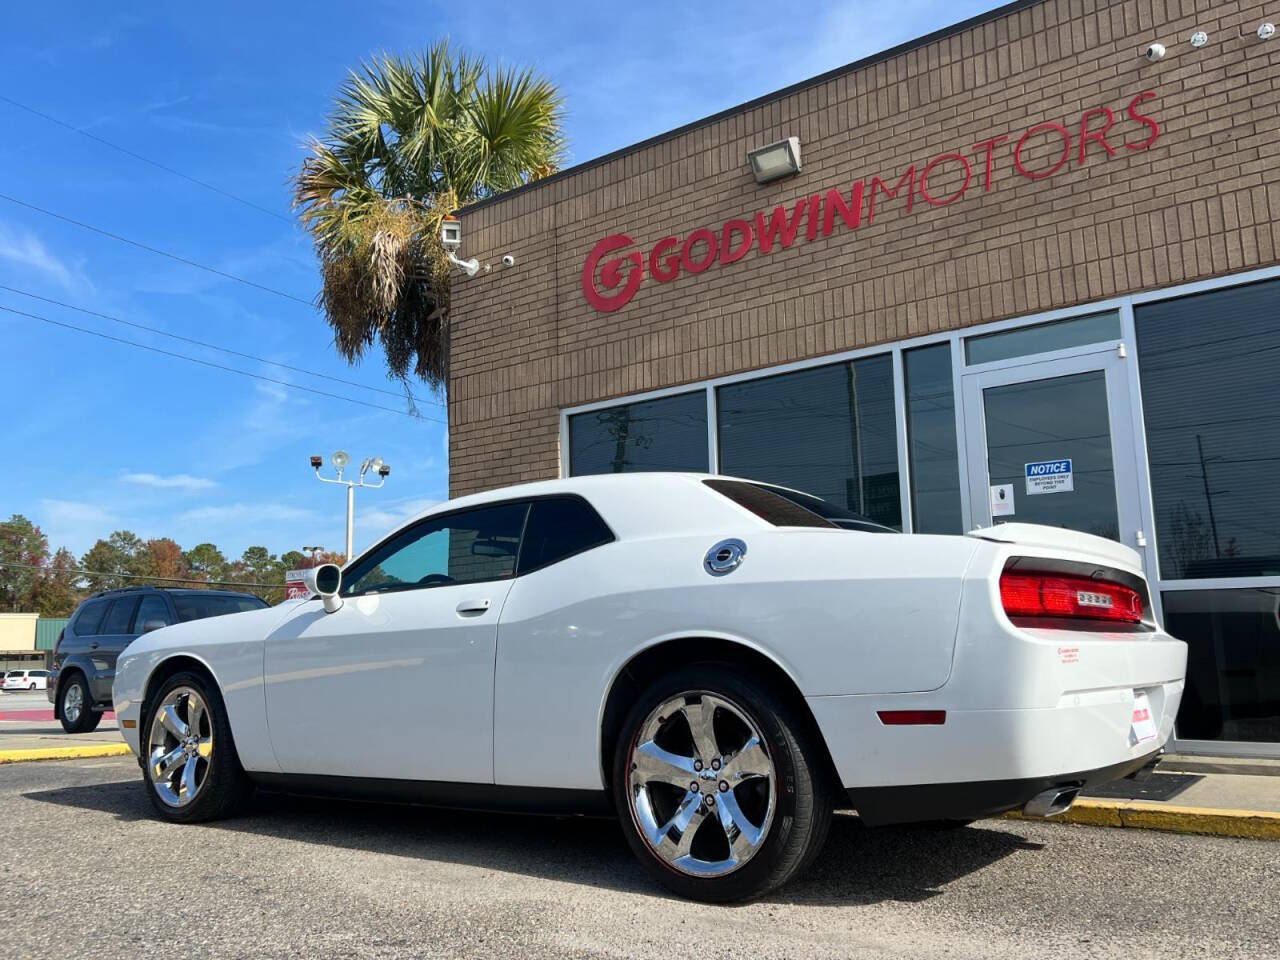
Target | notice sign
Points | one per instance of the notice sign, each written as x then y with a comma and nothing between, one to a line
1002,500
1142,726
1049,476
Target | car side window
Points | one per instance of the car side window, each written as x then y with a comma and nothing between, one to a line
560,527
120,616
90,618
151,607
464,547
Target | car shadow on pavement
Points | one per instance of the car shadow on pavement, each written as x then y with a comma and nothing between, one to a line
858,865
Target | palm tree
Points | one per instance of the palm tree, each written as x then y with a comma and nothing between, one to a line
410,140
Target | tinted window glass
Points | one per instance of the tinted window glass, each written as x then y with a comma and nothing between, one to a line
1043,338
1210,367
558,529
767,505
829,431
838,515
151,608
198,606
669,433
931,432
90,618
120,617
39,673
1233,662
464,547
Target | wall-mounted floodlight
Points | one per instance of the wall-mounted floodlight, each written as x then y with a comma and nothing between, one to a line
777,160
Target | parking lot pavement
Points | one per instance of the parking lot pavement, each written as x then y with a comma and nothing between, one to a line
86,870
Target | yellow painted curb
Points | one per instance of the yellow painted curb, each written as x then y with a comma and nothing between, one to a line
1210,821
65,753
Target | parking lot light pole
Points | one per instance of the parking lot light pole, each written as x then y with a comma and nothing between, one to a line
340,461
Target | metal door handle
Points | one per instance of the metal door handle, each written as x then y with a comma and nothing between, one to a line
473,606
94,645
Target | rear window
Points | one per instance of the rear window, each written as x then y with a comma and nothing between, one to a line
89,619
14,673
769,504
194,607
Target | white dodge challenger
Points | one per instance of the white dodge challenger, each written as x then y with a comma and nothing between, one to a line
720,661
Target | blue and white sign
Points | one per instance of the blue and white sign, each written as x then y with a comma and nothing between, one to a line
1049,476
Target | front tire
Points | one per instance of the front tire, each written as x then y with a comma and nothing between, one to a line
719,787
76,708
190,765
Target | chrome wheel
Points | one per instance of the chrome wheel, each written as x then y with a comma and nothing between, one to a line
73,702
180,746
701,784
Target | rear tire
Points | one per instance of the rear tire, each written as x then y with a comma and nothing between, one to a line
75,708
706,838
189,761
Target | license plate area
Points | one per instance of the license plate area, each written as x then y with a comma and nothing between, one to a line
1142,722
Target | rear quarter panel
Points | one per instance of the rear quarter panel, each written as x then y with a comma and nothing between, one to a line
841,612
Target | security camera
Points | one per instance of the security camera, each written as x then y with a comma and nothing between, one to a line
384,470
451,233
316,462
1267,31
508,260
1155,52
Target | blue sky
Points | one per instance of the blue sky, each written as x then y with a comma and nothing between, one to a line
102,436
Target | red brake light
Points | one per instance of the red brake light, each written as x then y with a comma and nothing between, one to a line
1064,595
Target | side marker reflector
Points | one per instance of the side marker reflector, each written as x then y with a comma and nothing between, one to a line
128,724
911,718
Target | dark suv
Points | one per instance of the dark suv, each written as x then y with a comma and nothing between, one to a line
84,658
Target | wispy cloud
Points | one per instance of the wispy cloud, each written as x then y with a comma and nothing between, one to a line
378,522
174,481
75,524
24,248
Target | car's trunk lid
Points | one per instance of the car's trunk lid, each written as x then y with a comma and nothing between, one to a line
1059,538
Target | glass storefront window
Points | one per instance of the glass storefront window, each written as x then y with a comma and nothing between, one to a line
1043,337
1233,662
669,433
931,440
829,431
1210,369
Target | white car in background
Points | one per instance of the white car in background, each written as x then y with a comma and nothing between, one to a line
720,661
26,679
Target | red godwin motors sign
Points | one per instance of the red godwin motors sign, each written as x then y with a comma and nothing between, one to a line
611,278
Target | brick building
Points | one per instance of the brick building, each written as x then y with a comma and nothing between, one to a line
1022,272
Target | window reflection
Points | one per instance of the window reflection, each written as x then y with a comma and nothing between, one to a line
1233,662
1210,368
829,431
931,430
669,433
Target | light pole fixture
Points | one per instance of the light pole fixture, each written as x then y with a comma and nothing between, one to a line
340,460
777,160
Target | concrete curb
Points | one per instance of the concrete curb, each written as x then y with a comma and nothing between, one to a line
1210,821
65,753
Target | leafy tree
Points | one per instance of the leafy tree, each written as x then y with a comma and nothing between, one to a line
409,140
294,560
205,562
119,554
164,558
21,542
56,593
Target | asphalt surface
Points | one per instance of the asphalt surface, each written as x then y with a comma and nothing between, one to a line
86,871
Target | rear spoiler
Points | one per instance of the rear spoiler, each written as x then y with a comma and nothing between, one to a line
1058,538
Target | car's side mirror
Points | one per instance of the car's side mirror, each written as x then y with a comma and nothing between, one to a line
149,625
325,580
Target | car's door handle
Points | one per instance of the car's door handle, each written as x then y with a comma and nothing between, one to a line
472,606
94,645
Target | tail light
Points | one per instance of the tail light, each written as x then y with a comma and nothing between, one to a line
1064,595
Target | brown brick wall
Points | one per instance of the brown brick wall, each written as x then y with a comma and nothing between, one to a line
1197,203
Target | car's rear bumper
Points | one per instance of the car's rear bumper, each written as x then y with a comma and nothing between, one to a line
982,761
973,800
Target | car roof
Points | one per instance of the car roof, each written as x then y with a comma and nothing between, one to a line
183,591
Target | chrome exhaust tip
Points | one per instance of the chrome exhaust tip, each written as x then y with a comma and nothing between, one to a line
1051,802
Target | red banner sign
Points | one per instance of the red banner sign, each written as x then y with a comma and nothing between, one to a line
610,279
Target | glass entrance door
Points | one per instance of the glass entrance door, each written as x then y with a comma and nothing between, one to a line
1050,442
